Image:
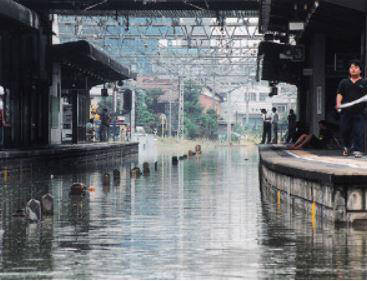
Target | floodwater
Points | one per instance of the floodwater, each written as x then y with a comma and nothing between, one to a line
202,219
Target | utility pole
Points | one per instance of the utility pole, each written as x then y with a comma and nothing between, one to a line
229,118
180,109
170,114
132,120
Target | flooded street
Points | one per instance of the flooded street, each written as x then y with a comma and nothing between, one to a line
202,219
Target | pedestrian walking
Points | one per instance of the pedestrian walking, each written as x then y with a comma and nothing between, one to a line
292,119
274,125
352,118
266,136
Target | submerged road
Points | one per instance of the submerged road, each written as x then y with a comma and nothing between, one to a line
202,219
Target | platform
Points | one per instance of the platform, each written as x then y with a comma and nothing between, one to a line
336,184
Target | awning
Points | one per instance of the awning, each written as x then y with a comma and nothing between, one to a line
13,14
84,57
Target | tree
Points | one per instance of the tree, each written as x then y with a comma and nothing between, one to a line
146,108
192,108
209,124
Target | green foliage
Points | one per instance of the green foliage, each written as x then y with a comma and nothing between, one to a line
105,102
146,103
197,122
239,129
209,124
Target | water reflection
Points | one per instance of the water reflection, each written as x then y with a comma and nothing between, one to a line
202,219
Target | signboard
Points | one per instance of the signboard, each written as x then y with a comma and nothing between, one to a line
307,72
294,26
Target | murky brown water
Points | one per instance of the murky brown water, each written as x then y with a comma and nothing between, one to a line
202,219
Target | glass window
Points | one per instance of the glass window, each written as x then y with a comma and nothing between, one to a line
262,97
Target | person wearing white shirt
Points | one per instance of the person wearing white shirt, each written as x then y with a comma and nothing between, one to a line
266,126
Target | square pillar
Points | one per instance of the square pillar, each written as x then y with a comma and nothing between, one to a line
317,82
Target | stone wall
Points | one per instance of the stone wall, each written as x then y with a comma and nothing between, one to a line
337,194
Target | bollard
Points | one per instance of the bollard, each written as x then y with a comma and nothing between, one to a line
146,169
174,160
33,210
190,153
47,204
135,172
198,149
116,174
106,179
77,189
156,165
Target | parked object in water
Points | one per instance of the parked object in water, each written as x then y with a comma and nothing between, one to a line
33,210
146,169
135,172
116,174
174,160
47,204
77,189
106,179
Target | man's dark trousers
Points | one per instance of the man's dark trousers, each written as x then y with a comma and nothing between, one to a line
352,127
266,132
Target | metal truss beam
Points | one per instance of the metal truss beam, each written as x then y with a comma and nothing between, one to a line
175,8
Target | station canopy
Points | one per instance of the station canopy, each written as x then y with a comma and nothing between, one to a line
84,57
333,17
147,8
13,15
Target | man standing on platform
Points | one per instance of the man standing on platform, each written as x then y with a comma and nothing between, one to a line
266,126
274,125
292,118
352,118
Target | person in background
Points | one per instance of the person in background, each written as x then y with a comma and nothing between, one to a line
105,125
292,119
311,141
91,131
266,136
274,125
3,124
